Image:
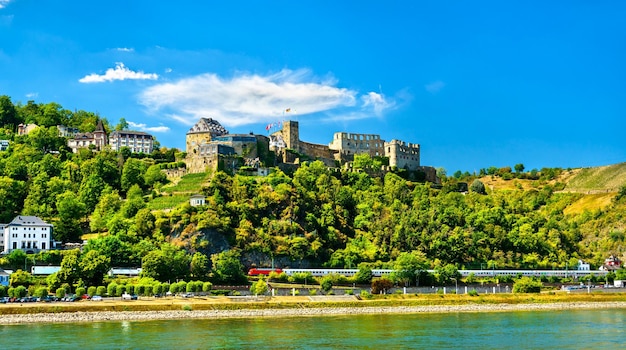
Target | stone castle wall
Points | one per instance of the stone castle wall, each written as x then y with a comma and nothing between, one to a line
403,155
346,145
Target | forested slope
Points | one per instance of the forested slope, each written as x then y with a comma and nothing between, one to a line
314,217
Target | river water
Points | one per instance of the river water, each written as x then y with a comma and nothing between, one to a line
569,329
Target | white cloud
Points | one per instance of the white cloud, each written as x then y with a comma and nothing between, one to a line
249,98
144,127
435,86
32,95
125,49
120,72
377,102
4,3
168,70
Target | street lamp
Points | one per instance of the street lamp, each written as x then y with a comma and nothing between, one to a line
456,285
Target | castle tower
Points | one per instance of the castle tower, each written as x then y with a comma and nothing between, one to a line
291,134
402,154
201,133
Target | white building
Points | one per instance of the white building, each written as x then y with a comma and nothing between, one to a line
136,141
96,139
4,145
196,200
28,233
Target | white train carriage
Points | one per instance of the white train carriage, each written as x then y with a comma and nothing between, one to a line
464,273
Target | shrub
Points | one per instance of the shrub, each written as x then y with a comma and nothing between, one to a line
473,293
349,292
112,289
140,290
91,291
174,288
3,291
11,292
527,285
312,291
80,291
20,291
301,277
220,292
206,286
187,308
130,289
381,285
365,294
119,290
278,277
101,290
60,292
41,292
157,288
327,283
259,287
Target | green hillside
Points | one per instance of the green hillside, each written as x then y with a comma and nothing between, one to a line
599,179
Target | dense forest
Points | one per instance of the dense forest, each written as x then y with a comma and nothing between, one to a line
315,216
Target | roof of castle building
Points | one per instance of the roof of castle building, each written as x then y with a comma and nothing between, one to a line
208,125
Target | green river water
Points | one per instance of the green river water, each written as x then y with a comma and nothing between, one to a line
570,329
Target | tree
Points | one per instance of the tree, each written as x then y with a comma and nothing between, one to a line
20,278
17,259
527,285
154,175
326,283
519,168
168,263
132,174
227,268
381,285
478,186
144,222
70,269
409,266
93,267
259,287
71,210
199,266
364,275
122,125
441,174
8,113
12,193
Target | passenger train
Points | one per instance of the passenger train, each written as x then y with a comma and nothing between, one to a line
464,273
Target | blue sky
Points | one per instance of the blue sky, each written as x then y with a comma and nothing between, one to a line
477,84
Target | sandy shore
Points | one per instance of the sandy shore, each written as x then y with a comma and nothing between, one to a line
245,313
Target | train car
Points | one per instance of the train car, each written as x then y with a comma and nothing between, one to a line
464,273
322,272
256,271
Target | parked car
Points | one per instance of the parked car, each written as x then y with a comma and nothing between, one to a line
127,296
96,298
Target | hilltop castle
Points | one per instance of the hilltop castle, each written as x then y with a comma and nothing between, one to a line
210,146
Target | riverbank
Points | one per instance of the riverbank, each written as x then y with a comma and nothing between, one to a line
187,311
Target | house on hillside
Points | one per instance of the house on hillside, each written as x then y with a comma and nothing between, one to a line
4,145
4,278
24,129
28,233
197,199
96,140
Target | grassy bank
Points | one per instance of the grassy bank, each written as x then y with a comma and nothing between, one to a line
301,302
